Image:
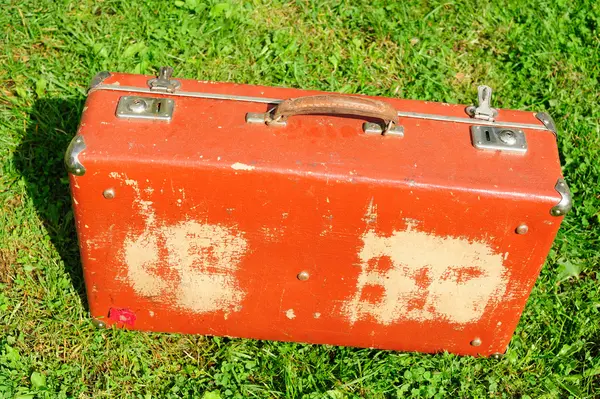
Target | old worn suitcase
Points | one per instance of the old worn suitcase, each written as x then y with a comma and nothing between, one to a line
221,209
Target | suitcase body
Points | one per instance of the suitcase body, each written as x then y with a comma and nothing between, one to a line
198,211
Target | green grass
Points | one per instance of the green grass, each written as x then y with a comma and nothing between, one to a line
537,55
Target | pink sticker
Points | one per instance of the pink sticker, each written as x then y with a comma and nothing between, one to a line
124,316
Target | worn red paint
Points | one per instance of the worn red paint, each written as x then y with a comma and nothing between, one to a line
409,242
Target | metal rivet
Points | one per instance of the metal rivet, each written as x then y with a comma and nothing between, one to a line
476,342
109,193
303,275
508,137
98,323
497,356
522,229
138,105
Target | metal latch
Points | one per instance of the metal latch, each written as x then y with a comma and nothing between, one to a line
153,108
498,139
164,82
483,110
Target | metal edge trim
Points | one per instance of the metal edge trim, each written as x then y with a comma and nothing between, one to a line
566,202
547,120
265,100
72,163
98,79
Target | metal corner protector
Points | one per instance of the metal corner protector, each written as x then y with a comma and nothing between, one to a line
98,79
566,202
547,120
72,163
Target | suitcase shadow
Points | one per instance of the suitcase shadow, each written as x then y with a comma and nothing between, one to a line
39,159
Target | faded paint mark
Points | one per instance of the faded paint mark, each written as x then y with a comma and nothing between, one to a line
188,264
290,314
272,234
414,275
242,166
200,265
316,315
328,228
371,214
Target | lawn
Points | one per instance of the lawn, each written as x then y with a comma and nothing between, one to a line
536,55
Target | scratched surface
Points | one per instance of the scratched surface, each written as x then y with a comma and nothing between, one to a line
211,239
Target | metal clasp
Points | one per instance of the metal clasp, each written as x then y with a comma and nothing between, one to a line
154,108
499,139
164,82
483,110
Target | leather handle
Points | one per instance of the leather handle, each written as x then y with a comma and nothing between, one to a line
335,104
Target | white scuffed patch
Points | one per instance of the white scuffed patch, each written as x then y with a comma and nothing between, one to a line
371,213
198,272
272,234
414,275
316,315
242,166
290,314
188,264
328,224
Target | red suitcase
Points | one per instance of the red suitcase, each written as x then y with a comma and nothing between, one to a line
220,209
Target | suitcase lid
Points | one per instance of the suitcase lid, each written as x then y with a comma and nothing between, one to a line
434,145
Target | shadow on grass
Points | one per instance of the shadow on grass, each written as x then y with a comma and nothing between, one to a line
39,158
